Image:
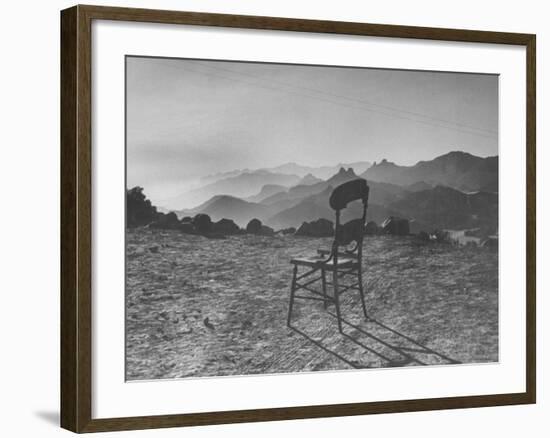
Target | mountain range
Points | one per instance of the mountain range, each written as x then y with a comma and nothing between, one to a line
247,183
240,185
453,191
456,169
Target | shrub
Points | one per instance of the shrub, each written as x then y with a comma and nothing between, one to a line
168,221
423,236
254,226
139,210
371,228
202,223
226,226
319,228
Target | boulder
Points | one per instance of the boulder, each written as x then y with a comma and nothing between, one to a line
285,231
371,228
168,221
318,228
396,226
254,226
440,236
423,236
202,223
186,219
226,226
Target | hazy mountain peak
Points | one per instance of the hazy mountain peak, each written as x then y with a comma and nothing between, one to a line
343,171
384,163
309,180
457,169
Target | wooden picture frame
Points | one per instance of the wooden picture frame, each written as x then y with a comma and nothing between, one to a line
76,218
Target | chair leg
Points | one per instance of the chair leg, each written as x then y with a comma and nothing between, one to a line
324,283
337,299
292,290
361,292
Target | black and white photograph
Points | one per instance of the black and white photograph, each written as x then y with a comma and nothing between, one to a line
287,218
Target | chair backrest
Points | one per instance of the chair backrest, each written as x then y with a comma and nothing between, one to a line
348,192
354,230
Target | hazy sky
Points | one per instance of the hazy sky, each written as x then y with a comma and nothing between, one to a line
188,118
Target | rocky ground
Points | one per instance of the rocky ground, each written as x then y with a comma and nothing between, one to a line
214,307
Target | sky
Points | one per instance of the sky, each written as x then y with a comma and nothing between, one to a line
191,118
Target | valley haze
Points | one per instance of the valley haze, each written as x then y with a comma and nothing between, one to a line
454,191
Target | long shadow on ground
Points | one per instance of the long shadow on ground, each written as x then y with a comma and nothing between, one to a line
389,347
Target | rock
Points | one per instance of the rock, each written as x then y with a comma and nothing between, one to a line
168,221
285,231
371,228
154,249
186,219
254,226
208,324
423,236
396,226
318,228
440,236
226,226
202,223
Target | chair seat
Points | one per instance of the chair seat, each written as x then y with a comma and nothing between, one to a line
317,260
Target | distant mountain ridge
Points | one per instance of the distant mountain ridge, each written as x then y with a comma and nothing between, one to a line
266,191
321,172
242,185
302,191
309,180
455,190
460,170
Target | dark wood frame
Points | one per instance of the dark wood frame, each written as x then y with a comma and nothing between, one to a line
76,238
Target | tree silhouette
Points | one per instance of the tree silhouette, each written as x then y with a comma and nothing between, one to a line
139,210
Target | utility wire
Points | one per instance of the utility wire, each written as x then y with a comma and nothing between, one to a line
358,106
361,101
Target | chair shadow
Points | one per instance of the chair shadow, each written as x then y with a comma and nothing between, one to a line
383,330
51,417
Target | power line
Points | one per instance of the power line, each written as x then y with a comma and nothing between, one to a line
272,88
352,99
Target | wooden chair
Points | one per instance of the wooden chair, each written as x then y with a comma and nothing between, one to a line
344,259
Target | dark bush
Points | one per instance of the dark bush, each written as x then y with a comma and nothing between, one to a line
226,226
139,210
423,236
396,226
254,226
318,228
168,221
441,236
371,228
202,223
